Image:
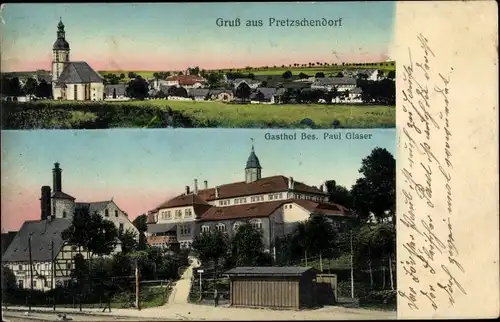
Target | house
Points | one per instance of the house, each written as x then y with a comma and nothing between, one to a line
252,83
274,204
186,81
267,95
59,204
329,83
198,94
73,80
223,95
7,239
349,96
115,92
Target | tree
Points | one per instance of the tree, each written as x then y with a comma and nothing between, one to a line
128,241
122,75
43,90
243,91
211,246
339,74
137,88
91,232
338,194
303,75
213,79
30,86
251,76
391,74
287,74
374,193
140,222
9,281
320,75
247,246
131,75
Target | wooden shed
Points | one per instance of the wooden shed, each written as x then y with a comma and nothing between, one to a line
272,287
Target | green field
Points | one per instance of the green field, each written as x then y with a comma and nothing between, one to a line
278,70
262,115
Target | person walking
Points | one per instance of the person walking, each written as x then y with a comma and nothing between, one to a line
216,297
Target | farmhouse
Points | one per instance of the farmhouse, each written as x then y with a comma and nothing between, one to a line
274,204
73,80
267,95
329,83
52,258
186,81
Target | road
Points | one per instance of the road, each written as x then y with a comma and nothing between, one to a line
20,316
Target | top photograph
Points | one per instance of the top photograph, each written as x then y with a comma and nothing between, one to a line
203,65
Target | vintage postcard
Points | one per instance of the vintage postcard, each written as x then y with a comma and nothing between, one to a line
255,161
235,65
225,218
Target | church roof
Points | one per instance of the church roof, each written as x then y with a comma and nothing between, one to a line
253,161
60,44
62,195
79,72
42,233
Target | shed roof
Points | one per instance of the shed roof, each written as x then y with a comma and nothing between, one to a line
269,271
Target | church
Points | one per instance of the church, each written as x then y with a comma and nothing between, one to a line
73,80
274,204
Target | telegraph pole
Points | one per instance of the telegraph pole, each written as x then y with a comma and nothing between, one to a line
137,286
352,269
52,271
31,271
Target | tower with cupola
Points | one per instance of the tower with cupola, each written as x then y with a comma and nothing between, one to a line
60,53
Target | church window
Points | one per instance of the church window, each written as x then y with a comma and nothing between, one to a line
75,92
106,213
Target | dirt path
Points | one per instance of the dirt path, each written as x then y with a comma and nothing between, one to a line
180,291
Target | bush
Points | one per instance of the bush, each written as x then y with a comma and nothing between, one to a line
380,298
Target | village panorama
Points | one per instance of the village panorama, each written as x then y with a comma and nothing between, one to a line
333,95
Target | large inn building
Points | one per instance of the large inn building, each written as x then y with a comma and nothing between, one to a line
52,258
274,204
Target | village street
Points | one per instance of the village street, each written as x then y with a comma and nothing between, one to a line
178,308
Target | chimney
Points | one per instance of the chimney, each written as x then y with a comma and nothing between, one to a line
206,184
216,192
45,203
290,183
187,190
195,186
56,178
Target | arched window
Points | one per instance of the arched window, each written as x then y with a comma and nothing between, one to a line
205,228
256,223
221,227
237,225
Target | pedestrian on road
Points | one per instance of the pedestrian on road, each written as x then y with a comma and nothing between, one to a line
216,297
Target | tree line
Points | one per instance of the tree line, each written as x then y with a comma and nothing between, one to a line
12,87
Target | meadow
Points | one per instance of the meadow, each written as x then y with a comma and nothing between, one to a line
385,66
199,114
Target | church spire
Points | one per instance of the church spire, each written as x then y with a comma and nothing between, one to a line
253,168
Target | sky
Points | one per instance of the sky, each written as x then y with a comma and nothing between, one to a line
140,168
174,36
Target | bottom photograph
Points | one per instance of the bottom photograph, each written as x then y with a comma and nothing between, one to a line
176,224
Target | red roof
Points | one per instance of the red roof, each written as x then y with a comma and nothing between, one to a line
261,186
186,79
182,201
326,208
251,210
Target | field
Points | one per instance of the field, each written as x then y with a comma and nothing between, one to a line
70,114
278,70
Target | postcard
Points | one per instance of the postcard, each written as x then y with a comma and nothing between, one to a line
250,161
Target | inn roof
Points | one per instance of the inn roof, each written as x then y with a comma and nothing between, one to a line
79,72
42,233
184,200
249,210
269,271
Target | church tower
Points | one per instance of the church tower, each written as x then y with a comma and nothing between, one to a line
60,53
253,168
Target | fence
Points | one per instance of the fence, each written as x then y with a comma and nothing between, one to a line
205,292
118,292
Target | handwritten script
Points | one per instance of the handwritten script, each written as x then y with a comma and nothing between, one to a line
427,213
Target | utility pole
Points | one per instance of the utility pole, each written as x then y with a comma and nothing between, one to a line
200,284
305,254
137,286
352,269
31,271
52,271
320,262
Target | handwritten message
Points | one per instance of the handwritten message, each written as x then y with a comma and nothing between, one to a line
430,252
